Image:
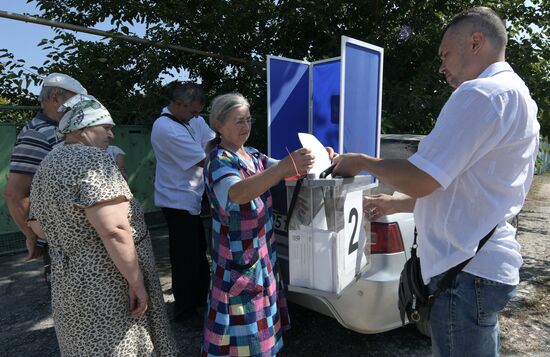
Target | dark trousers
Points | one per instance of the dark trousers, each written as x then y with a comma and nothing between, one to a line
47,266
190,268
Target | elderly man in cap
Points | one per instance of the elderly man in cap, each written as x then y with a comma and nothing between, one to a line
34,142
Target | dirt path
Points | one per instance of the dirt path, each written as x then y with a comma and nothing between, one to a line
525,323
26,326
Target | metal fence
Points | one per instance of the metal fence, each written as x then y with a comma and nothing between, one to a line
10,238
140,163
544,157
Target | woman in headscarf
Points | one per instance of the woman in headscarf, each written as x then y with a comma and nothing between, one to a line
106,294
247,311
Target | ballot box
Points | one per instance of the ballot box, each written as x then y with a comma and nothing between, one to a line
320,247
327,233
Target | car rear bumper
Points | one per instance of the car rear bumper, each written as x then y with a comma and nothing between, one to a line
367,306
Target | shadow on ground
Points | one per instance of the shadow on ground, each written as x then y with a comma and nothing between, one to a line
26,325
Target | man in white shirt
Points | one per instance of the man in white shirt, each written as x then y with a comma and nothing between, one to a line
470,175
178,138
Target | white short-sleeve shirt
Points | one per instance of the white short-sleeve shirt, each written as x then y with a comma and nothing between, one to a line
114,151
178,148
482,151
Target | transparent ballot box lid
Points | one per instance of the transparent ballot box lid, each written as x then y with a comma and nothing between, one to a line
327,233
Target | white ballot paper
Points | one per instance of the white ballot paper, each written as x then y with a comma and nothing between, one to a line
322,160
311,256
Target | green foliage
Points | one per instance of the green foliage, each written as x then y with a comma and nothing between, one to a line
125,76
14,116
16,80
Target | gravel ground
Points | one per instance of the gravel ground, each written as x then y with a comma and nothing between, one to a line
26,326
525,323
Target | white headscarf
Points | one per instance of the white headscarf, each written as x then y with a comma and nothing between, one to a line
82,111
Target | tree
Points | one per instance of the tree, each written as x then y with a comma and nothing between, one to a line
125,76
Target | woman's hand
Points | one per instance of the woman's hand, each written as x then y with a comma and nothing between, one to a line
35,243
252,187
303,159
138,298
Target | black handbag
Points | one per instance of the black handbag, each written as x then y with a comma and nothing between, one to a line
415,301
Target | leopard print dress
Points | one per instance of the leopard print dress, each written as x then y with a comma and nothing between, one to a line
90,299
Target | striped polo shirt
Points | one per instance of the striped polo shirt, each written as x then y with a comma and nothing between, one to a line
33,143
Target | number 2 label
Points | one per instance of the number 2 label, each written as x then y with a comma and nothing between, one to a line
353,242
353,213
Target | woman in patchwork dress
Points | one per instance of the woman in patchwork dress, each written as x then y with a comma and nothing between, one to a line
247,312
106,294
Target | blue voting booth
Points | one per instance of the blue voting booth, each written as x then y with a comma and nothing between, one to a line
338,100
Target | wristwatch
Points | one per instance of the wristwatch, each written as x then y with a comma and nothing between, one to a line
42,243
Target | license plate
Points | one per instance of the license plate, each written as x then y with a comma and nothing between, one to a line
279,222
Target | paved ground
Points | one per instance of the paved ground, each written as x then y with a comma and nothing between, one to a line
525,323
26,327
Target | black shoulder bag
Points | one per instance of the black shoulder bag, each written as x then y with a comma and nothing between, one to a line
414,298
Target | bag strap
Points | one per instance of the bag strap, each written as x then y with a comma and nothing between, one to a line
415,245
453,272
185,125
293,201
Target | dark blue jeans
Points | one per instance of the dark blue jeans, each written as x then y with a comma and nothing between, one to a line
464,318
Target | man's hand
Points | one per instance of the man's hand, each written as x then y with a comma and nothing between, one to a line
331,153
378,205
400,174
381,205
33,251
16,195
347,165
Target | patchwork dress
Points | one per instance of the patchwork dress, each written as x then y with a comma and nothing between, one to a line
247,311
90,300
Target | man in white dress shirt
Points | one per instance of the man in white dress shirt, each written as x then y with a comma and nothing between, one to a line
178,138
470,175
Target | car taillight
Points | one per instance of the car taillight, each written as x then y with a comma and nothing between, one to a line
385,238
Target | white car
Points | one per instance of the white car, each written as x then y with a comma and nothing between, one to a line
369,304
